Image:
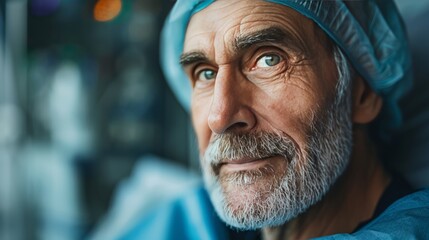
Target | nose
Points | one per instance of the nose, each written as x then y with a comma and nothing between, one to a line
229,110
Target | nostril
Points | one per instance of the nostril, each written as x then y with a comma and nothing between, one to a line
241,124
238,126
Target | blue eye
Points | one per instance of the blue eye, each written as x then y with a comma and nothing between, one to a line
206,75
268,61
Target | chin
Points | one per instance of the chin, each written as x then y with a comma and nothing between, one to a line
254,198
252,206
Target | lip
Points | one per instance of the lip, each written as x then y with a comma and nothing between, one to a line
243,164
243,160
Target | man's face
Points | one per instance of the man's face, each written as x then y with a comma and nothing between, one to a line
273,133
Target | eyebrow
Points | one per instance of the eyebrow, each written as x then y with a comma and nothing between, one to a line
272,34
187,59
241,43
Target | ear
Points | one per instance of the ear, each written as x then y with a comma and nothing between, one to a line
366,103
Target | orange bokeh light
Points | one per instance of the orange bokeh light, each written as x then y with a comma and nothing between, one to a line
106,10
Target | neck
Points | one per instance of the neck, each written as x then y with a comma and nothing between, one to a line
351,200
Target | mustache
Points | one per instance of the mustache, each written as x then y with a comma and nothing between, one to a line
256,145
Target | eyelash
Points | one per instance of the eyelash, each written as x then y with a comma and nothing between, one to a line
264,51
199,69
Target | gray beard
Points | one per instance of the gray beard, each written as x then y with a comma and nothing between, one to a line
266,196
269,196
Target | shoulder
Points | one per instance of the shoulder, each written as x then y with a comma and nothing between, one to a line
407,218
190,216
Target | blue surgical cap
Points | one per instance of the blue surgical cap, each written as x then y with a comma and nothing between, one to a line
369,32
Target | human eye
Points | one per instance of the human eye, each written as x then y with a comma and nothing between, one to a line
266,63
268,60
206,75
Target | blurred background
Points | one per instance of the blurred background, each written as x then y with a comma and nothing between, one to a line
82,101
91,137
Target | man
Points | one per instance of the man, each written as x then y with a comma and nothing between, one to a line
283,94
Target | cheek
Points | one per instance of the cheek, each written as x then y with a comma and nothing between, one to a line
199,114
294,119
289,110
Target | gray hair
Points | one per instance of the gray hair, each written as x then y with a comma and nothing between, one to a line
345,75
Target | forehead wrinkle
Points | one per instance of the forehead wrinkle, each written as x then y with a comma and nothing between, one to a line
223,44
296,25
193,43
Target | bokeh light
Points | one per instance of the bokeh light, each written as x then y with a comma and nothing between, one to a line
44,7
107,10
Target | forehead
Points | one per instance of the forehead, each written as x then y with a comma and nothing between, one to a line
225,20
